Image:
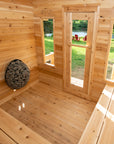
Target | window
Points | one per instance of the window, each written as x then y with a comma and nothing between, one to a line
79,40
48,41
110,67
79,32
78,66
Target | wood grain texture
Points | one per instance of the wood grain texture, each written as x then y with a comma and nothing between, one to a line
107,134
94,127
17,39
57,116
7,93
4,139
18,131
52,8
19,2
68,86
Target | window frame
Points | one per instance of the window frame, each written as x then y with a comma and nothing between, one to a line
43,41
108,81
90,46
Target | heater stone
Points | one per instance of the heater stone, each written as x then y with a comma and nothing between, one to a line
17,74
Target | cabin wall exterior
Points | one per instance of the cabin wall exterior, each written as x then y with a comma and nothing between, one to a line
53,9
16,38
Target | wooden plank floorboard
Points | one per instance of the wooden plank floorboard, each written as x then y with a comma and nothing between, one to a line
57,116
100,128
107,133
4,139
18,132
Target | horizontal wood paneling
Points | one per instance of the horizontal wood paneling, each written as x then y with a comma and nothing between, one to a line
52,8
17,39
19,2
6,93
50,79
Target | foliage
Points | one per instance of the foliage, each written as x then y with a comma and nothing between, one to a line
113,30
79,25
48,26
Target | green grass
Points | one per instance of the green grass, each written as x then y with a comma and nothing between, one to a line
111,60
111,55
78,57
78,54
81,42
49,47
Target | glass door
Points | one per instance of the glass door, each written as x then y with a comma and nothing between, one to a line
78,45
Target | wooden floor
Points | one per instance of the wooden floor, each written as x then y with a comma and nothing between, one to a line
4,139
57,116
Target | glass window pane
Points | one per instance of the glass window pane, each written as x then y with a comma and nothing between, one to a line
48,41
79,32
110,68
77,65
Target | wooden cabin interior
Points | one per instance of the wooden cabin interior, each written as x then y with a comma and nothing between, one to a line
68,47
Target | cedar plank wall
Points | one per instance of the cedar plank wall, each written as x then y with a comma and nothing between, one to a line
53,8
17,39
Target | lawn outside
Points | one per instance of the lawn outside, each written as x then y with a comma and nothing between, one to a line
78,56
111,60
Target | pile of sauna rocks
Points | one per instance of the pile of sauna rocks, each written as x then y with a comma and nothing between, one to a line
17,74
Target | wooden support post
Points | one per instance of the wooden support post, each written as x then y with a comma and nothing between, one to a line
112,75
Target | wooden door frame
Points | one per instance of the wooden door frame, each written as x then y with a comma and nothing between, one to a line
67,14
109,82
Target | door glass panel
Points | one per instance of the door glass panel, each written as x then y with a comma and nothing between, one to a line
79,32
77,66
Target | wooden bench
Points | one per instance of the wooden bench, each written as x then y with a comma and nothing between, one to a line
100,128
